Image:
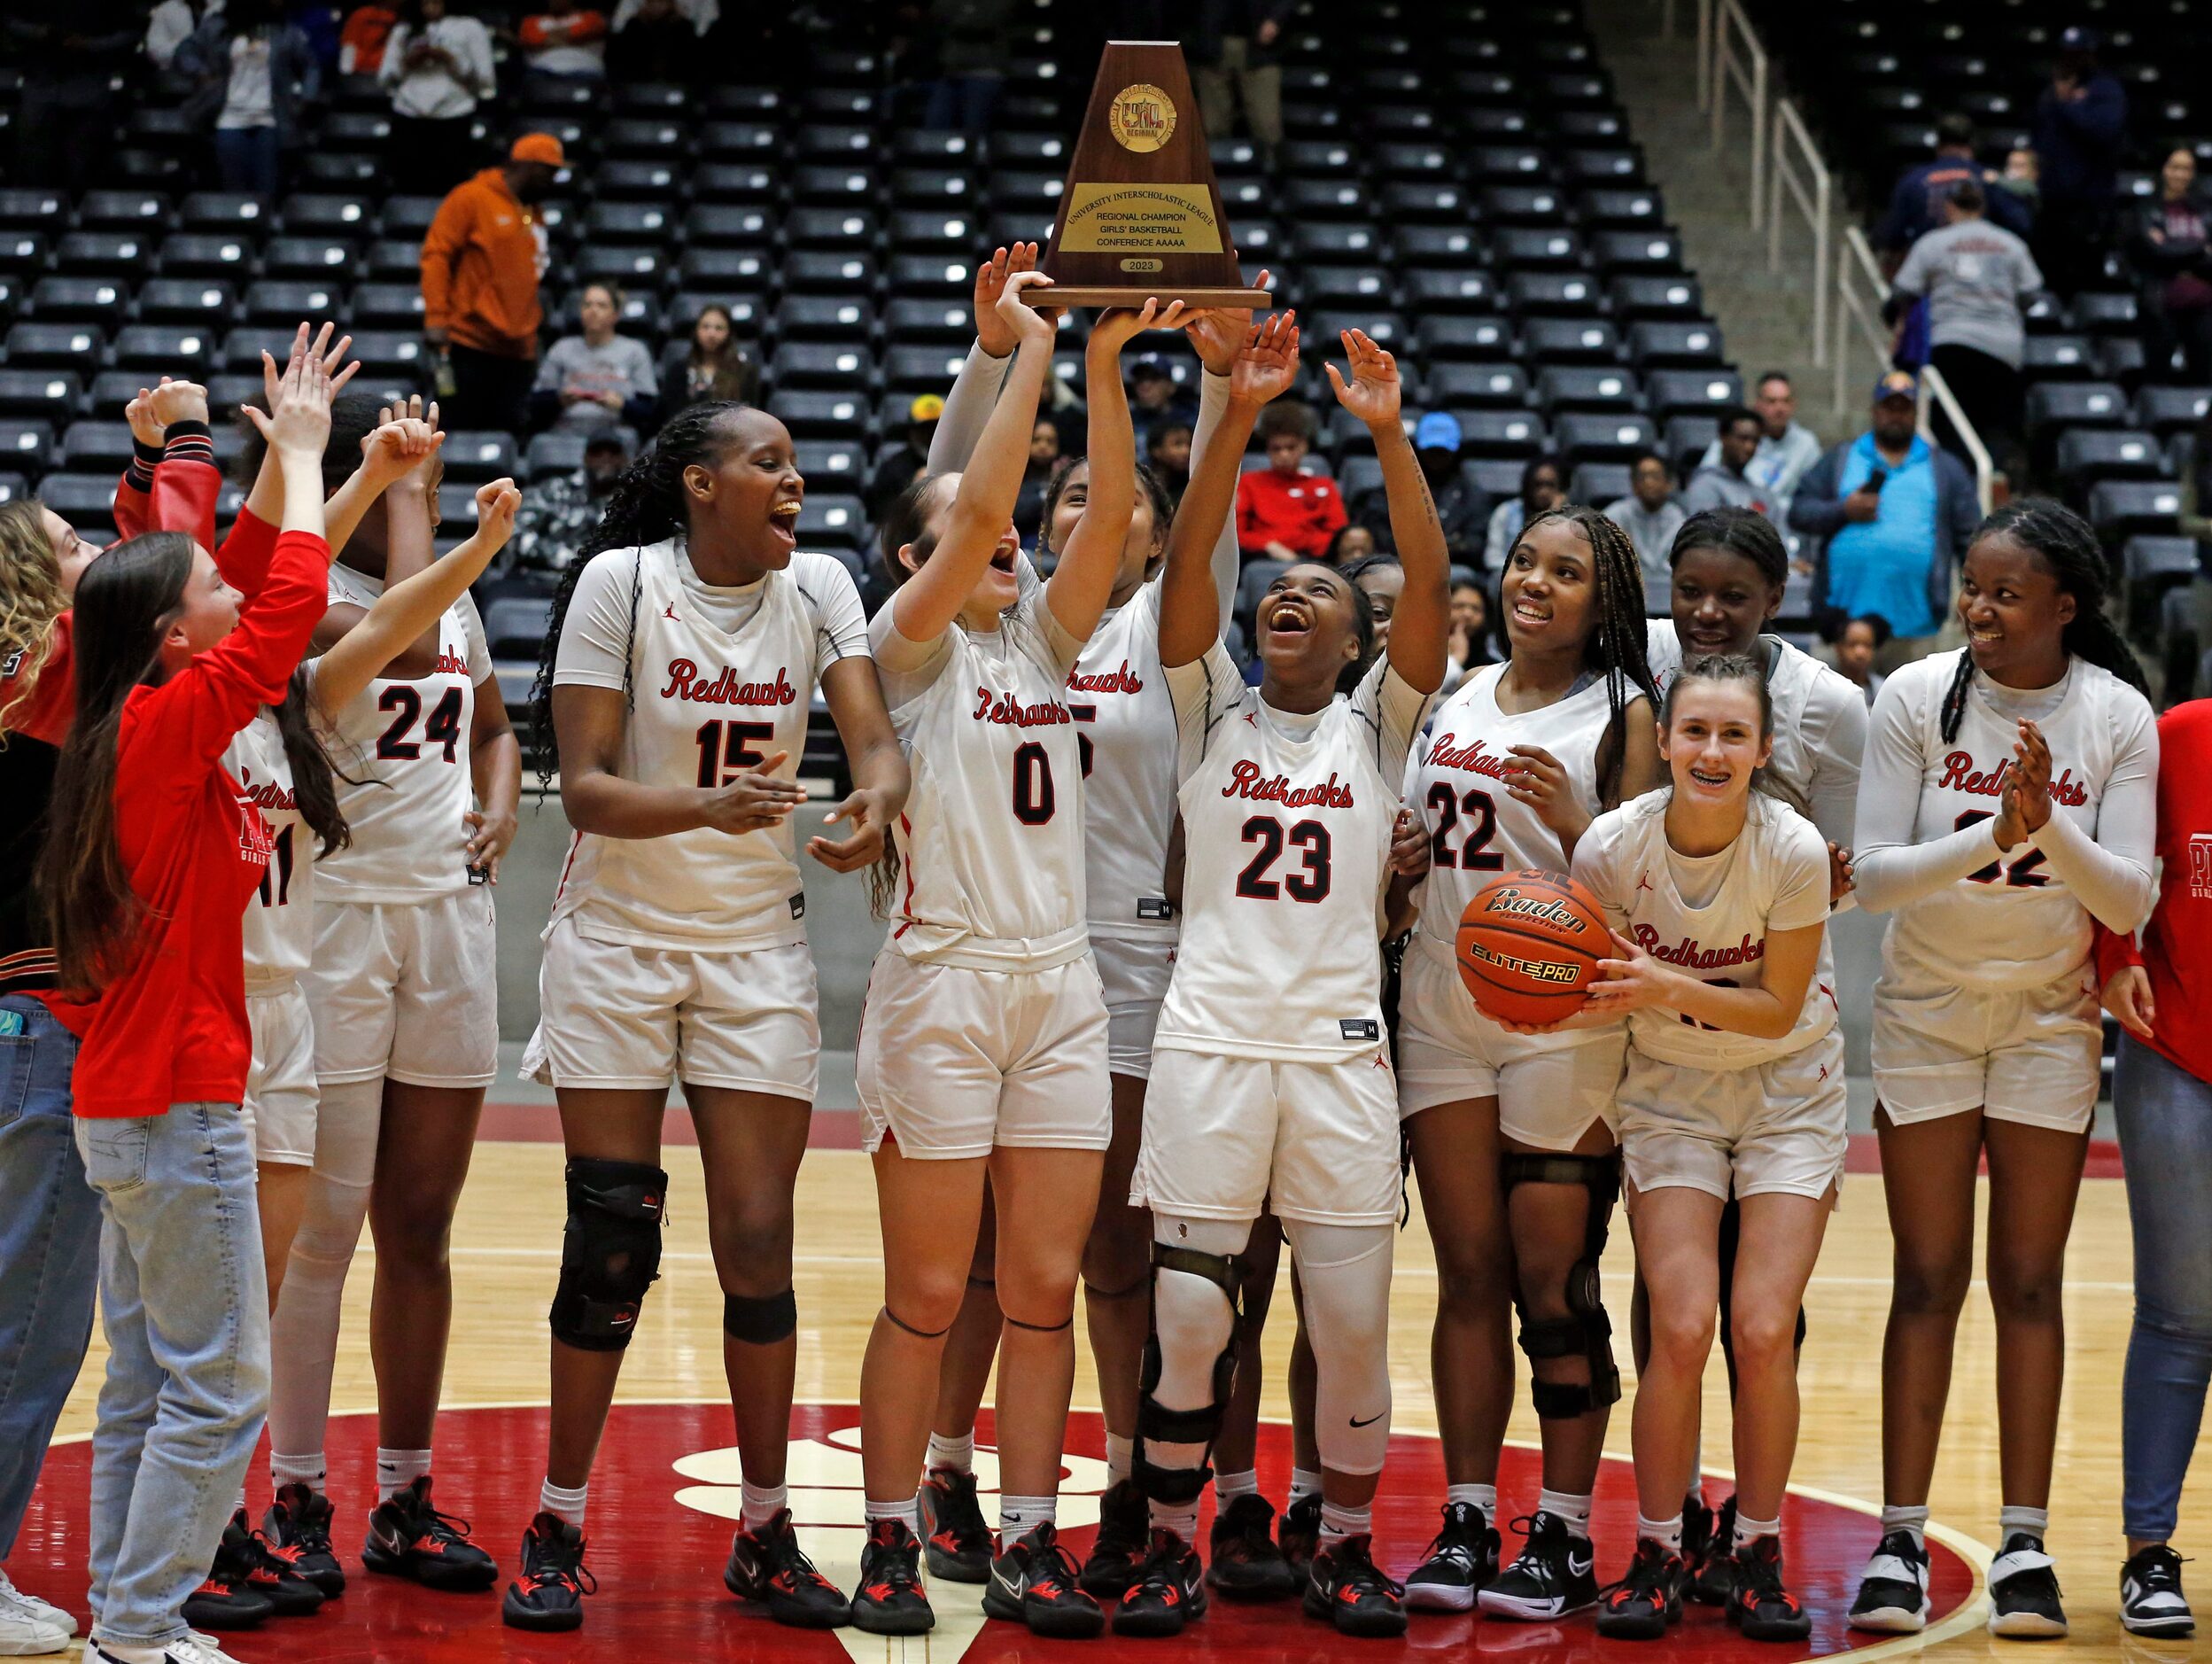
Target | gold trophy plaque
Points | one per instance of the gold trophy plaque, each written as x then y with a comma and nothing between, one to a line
1141,214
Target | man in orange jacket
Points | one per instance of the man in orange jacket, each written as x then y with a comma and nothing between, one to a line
481,261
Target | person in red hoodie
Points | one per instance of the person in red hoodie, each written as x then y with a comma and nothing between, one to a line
1284,513
2161,1099
150,858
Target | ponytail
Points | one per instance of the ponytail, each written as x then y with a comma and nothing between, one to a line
314,777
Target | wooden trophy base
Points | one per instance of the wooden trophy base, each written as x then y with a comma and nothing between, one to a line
1193,296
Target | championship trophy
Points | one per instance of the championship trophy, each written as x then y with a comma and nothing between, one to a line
1141,214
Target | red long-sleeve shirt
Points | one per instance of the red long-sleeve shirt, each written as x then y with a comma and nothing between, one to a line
1299,511
172,1028
2176,947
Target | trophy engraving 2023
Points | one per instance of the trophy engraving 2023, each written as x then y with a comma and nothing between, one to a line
1141,214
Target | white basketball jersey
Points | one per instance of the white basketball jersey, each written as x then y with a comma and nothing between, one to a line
991,843
1125,726
280,915
1456,783
2012,923
1286,834
1796,683
707,701
401,751
1774,877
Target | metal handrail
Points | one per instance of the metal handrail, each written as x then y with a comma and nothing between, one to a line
1814,195
1704,56
1738,58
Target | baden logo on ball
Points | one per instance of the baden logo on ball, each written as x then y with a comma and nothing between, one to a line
1528,946
1141,214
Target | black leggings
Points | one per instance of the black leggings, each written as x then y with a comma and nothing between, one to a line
1731,1235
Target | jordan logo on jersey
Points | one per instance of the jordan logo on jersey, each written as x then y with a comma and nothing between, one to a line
684,682
1691,955
1469,757
1118,680
671,613
1005,709
1246,782
1961,775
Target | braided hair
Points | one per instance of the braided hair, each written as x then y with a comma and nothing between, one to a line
1615,648
646,506
2064,543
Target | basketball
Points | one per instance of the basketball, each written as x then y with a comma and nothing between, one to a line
1529,945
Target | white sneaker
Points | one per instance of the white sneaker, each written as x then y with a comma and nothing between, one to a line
16,1608
197,1647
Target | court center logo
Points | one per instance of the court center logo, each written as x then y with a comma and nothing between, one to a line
1141,117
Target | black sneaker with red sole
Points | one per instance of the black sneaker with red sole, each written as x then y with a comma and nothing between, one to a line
958,1546
1345,1587
410,1538
889,1598
1759,1604
1169,1590
1244,1563
296,1525
549,1595
1647,1599
768,1565
1036,1582
1117,1553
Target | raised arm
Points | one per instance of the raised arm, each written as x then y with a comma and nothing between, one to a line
1423,623
928,603
402,441
1082,581
974,392
1189,604
1219,335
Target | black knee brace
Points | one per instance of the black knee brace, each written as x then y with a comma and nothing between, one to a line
1587,1333
1181,1486
760,1321
610,1252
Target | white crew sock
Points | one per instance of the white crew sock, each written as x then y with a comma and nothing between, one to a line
1020,1515
311,1470
1304,1483
907,1511
760,1503
2035,1521
1339,1523
1911,1520
1228,1487
563,1503
1482,1496
1178,1518
395,1470
1666,1533
1746,1528
1565,1506
956,1454
1121,1456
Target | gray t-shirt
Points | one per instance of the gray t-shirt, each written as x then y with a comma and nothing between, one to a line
621,365
1717,489
1974,274
1651,530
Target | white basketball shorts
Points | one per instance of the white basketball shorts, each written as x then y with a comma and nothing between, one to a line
281,1097
2024,1055
406,991
1777,1126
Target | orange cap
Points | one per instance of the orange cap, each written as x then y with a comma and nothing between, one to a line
538,147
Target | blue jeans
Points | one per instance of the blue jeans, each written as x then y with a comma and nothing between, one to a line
185,1304
50,1245
2165,1122
245,157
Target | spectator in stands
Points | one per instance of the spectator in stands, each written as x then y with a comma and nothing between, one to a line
1916,204
2166,239
1857,646
558,514
598,378
2022,179
72,54
653,40
438,65
974,45
1236,59
1469,646
710,364
170,25
895,469
1037,476
1725,482
1352,542
2080,126
360,43
1461,505
1541,489
1895,513
1155,401
482,259
565,42
1787,447
1974,276
1167,451
1649,514
1282,512
251,71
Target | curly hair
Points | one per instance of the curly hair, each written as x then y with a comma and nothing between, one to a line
32,599
2063,542
1615,645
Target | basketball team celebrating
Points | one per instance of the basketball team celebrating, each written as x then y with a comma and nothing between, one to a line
1127,1032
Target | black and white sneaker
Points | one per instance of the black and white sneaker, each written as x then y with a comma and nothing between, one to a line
1037,1582
1246,1565
766,1564
1555,1573
1117,1553
1346,1587
2151,1601
1461,1557
1712,1569
194,1648
2024,1591
1893,1591
959,1545
1169,1590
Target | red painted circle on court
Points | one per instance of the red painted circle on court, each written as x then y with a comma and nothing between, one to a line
664,1501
